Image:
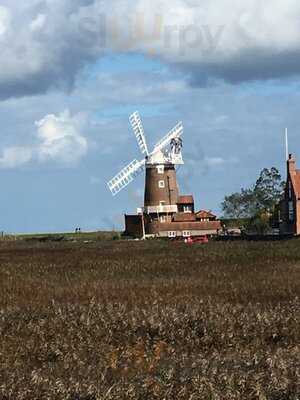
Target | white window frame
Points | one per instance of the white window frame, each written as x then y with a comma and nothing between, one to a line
186,234
172,234
161,169
161,184
187,209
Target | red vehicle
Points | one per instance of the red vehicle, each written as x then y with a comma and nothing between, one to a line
196,239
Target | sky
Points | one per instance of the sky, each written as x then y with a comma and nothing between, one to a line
72,71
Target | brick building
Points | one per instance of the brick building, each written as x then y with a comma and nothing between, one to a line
290,205
177,224
166,213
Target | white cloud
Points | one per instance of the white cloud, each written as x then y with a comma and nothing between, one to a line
46,45
218,161
60,139
48,42
14,157
228,37
214,161
5,18
38,23
250,25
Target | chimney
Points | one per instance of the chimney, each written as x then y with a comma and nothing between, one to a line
291,165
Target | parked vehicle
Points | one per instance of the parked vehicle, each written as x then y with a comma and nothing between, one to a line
196,240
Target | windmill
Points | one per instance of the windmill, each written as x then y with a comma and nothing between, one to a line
165,213
161,190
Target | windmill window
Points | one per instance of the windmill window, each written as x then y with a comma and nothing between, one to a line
161,169
187,209
162,218
161,184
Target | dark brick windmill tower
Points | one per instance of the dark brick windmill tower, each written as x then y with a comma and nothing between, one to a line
164,209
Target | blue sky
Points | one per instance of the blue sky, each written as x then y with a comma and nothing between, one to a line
64,109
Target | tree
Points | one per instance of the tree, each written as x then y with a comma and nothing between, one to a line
259,223
259,200
239,205
268,189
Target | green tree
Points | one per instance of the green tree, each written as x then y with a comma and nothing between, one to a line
239,205
268,189
258,202
259,223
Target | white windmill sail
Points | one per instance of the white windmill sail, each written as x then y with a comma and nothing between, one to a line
138,130
176,132
158,155
125,176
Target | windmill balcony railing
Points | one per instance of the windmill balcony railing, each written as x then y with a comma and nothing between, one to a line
161,209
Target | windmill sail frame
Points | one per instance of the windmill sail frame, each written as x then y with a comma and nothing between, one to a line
158,156
125,176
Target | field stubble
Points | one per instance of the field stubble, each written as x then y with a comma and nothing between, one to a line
153,320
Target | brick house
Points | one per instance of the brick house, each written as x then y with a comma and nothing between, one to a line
205,216
167,213
186,204
290,204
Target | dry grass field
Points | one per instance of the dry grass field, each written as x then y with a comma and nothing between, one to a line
130,320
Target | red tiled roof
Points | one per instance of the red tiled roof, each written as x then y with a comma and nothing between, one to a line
205,214
181,226
183,217
189,199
